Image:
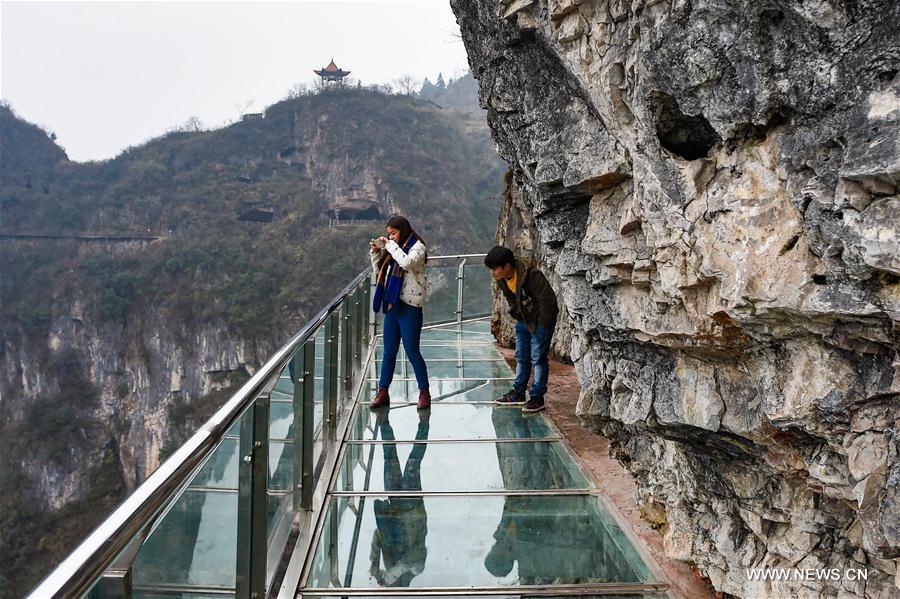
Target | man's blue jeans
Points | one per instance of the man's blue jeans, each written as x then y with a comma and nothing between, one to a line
531,351
402,322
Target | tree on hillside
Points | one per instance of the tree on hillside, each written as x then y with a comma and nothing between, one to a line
298,90
192,125
406,84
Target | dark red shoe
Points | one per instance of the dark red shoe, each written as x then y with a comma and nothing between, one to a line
424,400
381,399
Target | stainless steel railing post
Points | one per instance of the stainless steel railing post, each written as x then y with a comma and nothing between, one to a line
331,375
306,425
347,348
360,326
460,280
250,575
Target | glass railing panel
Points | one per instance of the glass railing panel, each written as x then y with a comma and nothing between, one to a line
477,288
279,510
194,545
194,542
430,467
281,466
279,517
441,303
284,442
488,540
221,469
319,394
284,387
455,421
343,403
320,352
281,420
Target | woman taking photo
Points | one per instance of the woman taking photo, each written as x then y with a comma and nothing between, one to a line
401,285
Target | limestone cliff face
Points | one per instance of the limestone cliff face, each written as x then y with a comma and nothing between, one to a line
712,186
140,372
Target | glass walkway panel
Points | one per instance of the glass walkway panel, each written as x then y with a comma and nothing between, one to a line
296,488
465,497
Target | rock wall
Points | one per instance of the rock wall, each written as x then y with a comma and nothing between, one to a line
516,231
713,185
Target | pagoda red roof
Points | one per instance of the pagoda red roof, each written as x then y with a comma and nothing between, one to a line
332,72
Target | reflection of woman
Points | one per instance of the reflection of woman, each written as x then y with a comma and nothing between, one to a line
401,522
399,263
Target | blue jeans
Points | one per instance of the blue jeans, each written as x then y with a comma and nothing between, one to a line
532,350
403,322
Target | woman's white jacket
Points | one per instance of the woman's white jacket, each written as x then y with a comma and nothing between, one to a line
415,281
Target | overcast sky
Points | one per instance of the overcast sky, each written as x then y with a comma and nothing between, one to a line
107,75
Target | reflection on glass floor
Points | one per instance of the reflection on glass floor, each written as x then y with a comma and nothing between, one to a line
456,421
464,496
435,541
443,391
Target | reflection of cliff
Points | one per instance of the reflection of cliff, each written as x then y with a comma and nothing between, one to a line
551,540
546,538
523,465
713,187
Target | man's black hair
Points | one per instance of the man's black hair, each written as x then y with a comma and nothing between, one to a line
498,256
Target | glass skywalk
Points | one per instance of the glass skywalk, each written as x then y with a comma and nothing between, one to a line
465,496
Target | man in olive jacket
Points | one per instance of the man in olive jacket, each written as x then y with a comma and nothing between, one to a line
532,303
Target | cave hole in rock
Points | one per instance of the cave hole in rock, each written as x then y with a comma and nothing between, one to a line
819,279
690,137
256,212
889,278
886,76
369,213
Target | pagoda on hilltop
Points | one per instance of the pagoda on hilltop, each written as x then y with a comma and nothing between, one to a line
332,73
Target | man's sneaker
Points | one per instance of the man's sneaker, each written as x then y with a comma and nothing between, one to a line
512,398
381,399
424,400
535,404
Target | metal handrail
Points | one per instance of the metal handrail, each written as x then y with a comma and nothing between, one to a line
87,562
